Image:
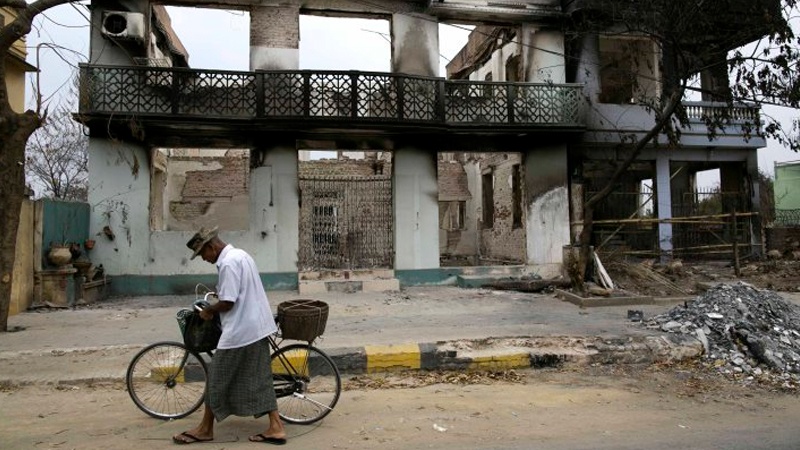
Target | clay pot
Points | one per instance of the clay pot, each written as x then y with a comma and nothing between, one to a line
59,256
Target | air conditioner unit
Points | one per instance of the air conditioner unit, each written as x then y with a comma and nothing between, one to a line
123,25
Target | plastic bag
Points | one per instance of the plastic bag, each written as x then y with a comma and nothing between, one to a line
201,335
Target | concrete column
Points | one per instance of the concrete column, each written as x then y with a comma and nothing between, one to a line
416,209
547,202
664,206
542,55
681,181
757,235
119,195
587,71
275,210
415,45
732,179
274,37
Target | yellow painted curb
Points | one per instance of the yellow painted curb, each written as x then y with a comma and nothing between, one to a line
502,362
387,357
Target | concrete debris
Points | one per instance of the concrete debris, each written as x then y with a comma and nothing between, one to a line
744,330
774,254
529,285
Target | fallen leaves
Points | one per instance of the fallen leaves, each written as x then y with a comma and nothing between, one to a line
405,380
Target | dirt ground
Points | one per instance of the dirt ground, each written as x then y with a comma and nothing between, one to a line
646,277
597,407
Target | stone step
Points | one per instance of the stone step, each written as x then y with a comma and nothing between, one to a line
348,286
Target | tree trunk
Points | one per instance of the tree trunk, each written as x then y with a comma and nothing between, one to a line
663,118
15,130
585,238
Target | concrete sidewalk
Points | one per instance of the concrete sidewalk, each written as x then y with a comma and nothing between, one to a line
416,328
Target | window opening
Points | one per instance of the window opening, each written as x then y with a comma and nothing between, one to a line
488,200
628,69
516,196
192,187
452,215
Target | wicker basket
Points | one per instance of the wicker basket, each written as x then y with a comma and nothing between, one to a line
302,320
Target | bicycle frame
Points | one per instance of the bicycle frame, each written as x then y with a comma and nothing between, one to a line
284,384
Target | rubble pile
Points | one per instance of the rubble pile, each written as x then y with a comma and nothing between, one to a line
745,330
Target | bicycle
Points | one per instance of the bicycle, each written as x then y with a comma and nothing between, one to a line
167,381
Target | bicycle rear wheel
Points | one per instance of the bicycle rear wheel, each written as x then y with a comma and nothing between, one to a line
166,381
307,383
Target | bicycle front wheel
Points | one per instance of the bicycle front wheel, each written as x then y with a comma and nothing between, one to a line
307,383
167,381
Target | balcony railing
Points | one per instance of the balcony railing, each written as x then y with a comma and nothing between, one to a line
326,96
713,111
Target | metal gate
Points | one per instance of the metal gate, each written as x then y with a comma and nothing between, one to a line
346,223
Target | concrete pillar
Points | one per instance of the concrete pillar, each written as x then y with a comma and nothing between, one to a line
587,71
119,195
275,210
542,55
415,45
274,37
731,180
547,201
756,228
682,181
416,209
664,206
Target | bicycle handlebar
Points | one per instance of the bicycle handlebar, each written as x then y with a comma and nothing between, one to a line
200,305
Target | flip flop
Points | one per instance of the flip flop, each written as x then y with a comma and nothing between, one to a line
267,439
191,439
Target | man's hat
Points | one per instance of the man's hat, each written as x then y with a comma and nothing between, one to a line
200,239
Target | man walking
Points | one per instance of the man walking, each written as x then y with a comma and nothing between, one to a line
239,379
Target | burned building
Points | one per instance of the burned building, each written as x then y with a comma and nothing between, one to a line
523,104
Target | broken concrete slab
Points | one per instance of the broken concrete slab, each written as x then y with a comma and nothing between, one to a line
585,302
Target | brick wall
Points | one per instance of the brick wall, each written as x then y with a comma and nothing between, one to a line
275,27
452,180
503,242
344,168
207,188
228,181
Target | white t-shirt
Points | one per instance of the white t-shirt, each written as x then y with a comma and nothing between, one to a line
251,318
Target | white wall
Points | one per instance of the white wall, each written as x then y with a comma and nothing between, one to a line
275,211
120,185
547,199
543,55
119,196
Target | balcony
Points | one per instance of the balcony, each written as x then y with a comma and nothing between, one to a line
342,101
733,126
